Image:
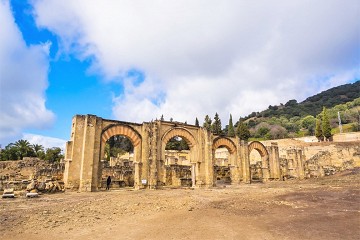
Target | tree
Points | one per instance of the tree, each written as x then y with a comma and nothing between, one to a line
197,122
216,126
242,131
207,123
24,148
39,150
318,128
326,129
309,123
53,155
9,153
162,117
231,131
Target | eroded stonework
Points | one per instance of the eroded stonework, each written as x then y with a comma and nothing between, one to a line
89,133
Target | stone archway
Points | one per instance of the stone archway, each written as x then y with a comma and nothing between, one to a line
259,171
174,174
224,162
131,167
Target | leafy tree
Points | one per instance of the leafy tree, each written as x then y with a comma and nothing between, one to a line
318,128
326,129
53,155
207,123
309,123
177,143
216,126
197,122
162,117
9,153
231,130
242,131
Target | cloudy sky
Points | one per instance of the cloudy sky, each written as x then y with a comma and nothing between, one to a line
135,60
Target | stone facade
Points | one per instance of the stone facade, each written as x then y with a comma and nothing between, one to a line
89,133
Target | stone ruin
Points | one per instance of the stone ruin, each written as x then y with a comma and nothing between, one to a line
31,175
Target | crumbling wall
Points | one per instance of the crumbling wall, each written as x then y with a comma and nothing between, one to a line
18,174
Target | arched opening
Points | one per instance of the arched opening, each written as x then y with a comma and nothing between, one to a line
177,162
259,162
177,167
118,162
120,154
224,152
222,173
255,166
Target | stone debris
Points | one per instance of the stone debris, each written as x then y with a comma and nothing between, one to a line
8,193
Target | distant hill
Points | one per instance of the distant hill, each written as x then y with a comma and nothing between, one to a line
313,105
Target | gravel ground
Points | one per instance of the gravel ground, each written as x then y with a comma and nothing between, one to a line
326,208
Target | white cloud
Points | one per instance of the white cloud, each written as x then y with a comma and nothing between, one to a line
47,142
23,80
202,57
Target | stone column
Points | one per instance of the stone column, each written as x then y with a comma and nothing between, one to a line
137,181
193,175
274,161
300,164
245,161
209,165
292,162
265,168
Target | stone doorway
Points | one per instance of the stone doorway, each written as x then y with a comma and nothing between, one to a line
222,164
177,163
118,163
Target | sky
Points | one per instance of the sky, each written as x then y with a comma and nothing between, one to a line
135,60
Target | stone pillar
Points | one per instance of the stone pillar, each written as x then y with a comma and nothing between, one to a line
209,165
145,157
193,175
265,168
90,156
153,138
245,161
274,161
137,181
292,162
300,164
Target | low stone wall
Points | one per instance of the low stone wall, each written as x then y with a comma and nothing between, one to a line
18,174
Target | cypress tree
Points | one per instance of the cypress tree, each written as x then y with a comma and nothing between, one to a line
216,127
231,131
318,128
242,131
207,123
326,129
197,122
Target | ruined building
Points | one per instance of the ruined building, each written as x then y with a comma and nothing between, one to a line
151,168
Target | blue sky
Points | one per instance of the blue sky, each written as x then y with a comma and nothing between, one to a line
135,60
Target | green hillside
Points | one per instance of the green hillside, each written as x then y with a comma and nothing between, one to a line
313,105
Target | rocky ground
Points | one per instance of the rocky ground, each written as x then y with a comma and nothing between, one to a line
327,208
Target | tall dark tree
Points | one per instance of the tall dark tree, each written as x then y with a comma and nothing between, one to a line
326,129
318,128
242,131
162,117
197,122
216,126
207,123
231,130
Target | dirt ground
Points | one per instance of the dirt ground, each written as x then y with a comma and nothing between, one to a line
327,208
